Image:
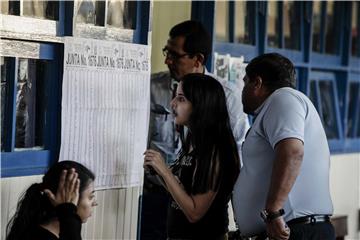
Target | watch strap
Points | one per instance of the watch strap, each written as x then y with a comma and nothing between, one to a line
276,214
268,216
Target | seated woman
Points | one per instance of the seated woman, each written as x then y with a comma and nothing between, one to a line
201,179
55,208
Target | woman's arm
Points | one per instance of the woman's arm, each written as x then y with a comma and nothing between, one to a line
193,206
161,181
70,222
65,202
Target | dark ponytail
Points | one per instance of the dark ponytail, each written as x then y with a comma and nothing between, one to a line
31,210
34,207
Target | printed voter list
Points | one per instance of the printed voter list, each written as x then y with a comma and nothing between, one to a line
105,109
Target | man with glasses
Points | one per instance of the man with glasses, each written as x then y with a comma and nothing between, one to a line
187,50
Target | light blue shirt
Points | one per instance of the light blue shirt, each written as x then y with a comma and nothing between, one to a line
286,113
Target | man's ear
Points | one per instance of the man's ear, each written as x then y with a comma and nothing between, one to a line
199,60
258,82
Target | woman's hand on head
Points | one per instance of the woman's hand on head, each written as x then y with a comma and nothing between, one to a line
154,159
68,189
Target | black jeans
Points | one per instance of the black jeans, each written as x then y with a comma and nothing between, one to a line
312,231
153,215
222,237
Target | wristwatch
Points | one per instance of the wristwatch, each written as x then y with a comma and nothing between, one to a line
268,216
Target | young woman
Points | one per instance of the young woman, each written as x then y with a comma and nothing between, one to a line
202,178
55,208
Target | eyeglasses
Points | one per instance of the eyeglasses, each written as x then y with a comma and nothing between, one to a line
173,55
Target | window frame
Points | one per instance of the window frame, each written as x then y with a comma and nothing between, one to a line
22,27
110,33
322,59
317,76
342,64
47,45
355,60
295,56
249,51
27,161
352,144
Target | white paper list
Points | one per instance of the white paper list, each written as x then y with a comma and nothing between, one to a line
105,109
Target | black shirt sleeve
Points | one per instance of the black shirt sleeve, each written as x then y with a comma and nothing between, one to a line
70,222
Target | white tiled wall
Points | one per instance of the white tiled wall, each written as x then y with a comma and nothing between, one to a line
345,189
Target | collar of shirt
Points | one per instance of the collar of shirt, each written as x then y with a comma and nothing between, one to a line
258,110
173,85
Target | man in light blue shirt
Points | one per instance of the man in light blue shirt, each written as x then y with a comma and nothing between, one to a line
283,187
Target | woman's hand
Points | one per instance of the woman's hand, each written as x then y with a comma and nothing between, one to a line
68,189
154,159
193,206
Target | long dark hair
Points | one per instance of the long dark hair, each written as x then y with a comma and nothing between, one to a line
210,135
34,207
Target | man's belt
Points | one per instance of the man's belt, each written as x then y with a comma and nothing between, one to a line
312,219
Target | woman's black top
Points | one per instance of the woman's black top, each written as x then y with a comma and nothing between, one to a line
213,224
70,225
